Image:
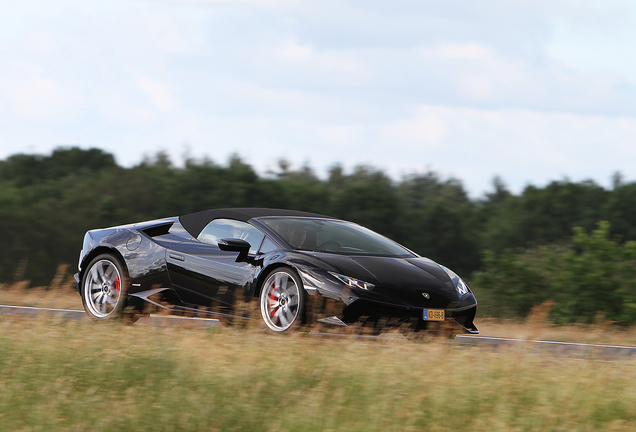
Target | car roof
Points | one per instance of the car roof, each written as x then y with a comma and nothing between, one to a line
195,222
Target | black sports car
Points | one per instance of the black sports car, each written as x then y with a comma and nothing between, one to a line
296,268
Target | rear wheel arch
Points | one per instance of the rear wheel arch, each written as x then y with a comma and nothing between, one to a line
99,251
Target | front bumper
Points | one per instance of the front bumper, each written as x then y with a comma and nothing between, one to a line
383,317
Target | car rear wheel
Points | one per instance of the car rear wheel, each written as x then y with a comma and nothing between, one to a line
104,287
282,300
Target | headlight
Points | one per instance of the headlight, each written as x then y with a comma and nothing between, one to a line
460,285
353,282
462,288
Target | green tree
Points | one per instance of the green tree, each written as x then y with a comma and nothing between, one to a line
620,209
542,216
368,197
597,277
443,233
511,283
590,276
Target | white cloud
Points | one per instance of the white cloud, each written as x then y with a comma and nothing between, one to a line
40,43
464,51
33,98
523,146
174,33
292,50
426,129
302,62
262,3
158,92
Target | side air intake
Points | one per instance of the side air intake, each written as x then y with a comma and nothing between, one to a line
158,230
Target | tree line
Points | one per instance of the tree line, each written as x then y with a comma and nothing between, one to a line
48,202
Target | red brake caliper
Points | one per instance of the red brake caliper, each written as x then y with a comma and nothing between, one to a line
276,308
117,285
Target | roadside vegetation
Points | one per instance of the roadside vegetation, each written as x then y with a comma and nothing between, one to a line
80,376
591,278
537,325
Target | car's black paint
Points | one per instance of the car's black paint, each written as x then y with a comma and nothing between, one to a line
164,257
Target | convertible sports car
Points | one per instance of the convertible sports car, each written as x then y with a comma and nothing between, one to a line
295,268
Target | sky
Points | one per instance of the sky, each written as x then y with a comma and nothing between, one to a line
531,91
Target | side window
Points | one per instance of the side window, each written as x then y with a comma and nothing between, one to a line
268,246
227,228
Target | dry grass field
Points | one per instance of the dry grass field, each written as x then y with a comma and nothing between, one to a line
80,376
62,297
536,327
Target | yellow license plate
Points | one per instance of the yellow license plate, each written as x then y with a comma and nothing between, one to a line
434,315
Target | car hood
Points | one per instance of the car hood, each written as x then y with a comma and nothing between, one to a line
402,282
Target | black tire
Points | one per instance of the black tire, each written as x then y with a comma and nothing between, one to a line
282,300
104,288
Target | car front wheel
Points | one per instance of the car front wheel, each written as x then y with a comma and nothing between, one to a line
282,300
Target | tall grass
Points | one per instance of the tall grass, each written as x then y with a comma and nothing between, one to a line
535,326
60,293
81,376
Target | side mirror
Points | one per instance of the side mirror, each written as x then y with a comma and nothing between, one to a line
235,245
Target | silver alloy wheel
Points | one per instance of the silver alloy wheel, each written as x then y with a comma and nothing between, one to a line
280,300
102,288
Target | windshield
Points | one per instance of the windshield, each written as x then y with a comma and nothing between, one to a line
334,236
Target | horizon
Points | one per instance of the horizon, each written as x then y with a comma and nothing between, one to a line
616,179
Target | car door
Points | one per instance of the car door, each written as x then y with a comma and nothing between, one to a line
204,275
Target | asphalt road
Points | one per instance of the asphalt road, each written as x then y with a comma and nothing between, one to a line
72,314
559,349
